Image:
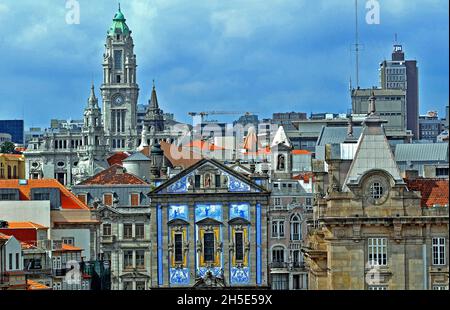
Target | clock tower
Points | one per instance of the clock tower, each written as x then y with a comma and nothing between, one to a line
119,89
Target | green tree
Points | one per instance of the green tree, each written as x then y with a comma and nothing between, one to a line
7,147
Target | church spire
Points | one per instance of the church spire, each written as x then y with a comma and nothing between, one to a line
154,99
92,101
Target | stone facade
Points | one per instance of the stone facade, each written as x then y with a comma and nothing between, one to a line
369,230
71,155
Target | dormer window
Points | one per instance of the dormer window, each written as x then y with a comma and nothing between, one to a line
107,199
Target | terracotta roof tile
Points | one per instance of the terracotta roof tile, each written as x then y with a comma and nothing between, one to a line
301,152
113,175
68,199
25,225
33,286
184,157
117,158
203,145
434,191
68,248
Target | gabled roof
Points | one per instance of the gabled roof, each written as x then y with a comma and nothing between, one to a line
434,191
421,152
373,153
249,183
68,199
281,138
114,175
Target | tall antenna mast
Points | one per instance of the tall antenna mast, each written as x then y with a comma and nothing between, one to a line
357,43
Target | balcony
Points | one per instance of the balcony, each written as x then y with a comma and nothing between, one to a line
108,239
278,265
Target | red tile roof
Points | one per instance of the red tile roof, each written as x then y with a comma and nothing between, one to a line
68,248
114,175
33,286
25,225
117,158
301,152
203,145
68,200
178,157
434,191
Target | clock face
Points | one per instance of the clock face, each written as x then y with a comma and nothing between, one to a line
118,100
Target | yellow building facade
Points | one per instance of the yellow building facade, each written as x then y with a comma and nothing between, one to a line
12,166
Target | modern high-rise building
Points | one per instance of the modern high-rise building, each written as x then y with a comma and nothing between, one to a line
399,73
15,128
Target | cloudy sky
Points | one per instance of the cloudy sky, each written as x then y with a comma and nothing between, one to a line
262,56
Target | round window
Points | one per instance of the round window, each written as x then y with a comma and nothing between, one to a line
376,190
35,165
60,164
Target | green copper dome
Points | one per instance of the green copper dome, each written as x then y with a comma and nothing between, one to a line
119,26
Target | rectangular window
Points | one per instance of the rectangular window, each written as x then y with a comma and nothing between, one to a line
442,172
208,247
17,261
127,231
127,259
178,242
377,288
197,181
438,251
440,287
140,285
277,201
139,228
118,60
274,229
107,199
10,261
41,196
68,240
281,228
140,259
106,229
239,244
377,251
127,286
280,281
217,181
82,198
278,255
135,199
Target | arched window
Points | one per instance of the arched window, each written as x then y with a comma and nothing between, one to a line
15,172
277,255
9,172
2,171
296,228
